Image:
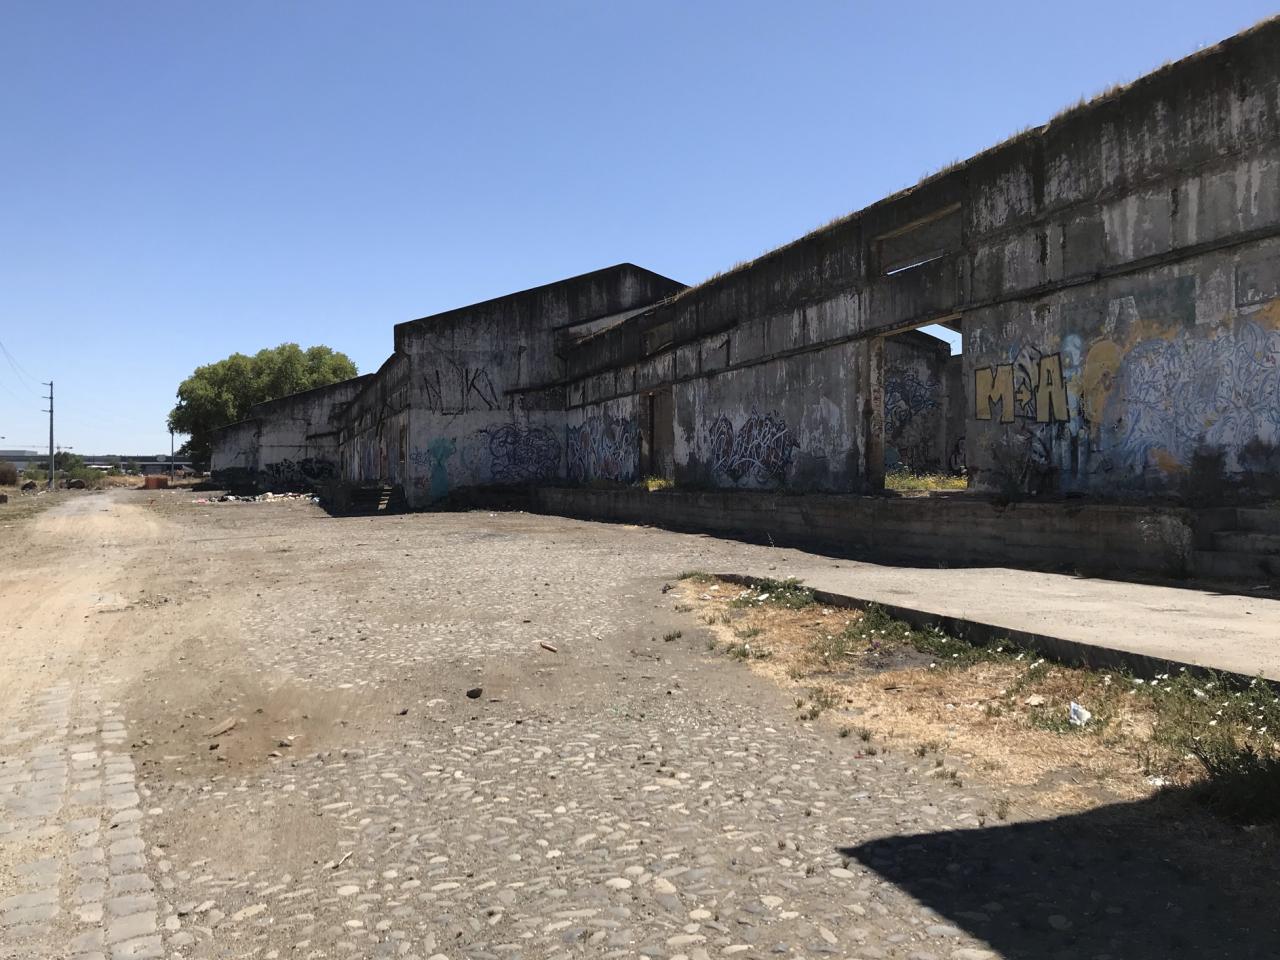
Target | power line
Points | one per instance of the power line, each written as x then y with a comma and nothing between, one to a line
17,367
9,390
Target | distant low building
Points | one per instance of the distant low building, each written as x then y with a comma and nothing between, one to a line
22,459
138,463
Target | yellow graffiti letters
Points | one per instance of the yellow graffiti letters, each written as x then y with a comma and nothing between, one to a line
1051,392
994,385
1038,388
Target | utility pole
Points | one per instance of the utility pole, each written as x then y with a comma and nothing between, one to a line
50,412
170,456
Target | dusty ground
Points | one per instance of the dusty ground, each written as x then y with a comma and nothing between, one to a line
243,730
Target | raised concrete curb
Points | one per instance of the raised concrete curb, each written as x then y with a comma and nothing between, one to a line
1055,646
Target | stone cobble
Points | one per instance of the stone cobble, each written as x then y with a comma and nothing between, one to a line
479,737
71,826
603,803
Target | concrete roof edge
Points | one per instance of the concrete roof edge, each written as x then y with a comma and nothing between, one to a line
615,268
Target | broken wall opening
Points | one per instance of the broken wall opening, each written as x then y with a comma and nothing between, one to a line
922,415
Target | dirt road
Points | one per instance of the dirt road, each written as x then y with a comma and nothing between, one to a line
252,730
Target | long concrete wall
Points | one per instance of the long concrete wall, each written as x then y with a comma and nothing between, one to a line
1096,538
286,444
1114,273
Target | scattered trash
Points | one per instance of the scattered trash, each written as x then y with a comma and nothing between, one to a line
474,693
225,726
401,713
1159,781
548,646
666,588
1077,715
1035,700
260,498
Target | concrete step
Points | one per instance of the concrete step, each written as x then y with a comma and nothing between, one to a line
1258,519
1246,541
370,500
1250,568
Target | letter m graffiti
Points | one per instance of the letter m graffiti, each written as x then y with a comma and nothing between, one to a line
992,385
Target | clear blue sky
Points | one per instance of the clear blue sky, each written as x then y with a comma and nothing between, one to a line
182,180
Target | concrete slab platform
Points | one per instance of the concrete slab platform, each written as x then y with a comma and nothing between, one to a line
1076,619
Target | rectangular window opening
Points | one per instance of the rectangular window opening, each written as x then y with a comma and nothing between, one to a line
913,264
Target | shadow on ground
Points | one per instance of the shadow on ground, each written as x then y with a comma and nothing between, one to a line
1153,880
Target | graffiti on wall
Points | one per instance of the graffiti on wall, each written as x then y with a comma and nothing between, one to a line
1163,399
298,474
1029,388
435,459
1144,401
520,454
602,447
1035,393
758,451
455,387
911,431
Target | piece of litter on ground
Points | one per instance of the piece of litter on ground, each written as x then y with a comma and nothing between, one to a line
1035,700
1077,715
224,727
548,646
474,693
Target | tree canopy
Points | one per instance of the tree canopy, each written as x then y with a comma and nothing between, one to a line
66,461
220,393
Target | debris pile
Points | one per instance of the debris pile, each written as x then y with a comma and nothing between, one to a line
260,498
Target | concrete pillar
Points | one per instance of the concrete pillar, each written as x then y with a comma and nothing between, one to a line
873,416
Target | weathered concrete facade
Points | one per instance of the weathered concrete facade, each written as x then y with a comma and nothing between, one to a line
286,444
1115,275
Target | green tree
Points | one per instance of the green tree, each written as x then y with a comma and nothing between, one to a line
220,393
65,462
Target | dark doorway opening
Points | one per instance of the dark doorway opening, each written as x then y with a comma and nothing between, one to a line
658,443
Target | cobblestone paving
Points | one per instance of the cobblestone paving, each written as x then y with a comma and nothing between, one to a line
69,796
647,828
620,796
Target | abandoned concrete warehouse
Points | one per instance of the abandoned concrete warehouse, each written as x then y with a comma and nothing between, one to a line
1114,275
